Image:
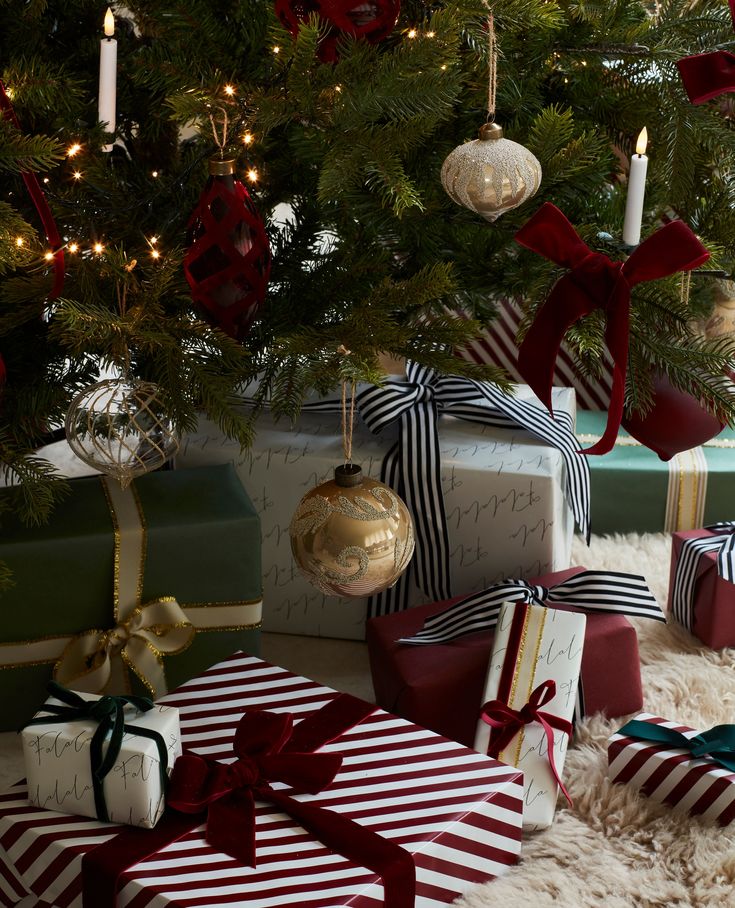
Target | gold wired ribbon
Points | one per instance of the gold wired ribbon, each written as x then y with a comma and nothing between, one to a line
98,661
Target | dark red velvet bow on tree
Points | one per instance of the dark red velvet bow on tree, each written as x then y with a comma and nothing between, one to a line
505,723
594,282
707,75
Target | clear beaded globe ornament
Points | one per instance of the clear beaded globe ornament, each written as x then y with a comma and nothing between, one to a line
120,427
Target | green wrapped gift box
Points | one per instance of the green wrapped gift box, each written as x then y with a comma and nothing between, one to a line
198,542
634,491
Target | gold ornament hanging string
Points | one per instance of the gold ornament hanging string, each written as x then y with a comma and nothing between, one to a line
685,287
220,143
492,65
348,422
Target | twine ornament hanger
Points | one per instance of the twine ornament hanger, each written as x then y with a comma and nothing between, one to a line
220,143
492,65
348,422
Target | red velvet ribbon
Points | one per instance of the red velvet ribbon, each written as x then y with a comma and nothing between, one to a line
268,748
506,722
594,282
707,75
42,207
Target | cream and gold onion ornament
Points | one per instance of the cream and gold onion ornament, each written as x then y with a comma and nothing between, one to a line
491,175
352,536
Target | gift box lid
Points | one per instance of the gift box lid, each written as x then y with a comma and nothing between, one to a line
457,812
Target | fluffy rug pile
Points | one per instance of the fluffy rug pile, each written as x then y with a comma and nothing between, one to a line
615,848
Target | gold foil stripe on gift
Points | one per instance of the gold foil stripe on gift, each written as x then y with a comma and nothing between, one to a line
687,491
625,441
24,657
532,616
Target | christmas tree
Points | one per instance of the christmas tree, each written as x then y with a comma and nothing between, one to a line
339,135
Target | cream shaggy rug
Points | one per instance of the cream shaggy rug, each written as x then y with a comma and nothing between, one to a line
616,848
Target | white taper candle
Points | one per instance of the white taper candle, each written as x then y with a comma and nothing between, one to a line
636,192
108,77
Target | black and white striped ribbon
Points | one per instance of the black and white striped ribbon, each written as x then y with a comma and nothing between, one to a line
416,405
687,567
593,591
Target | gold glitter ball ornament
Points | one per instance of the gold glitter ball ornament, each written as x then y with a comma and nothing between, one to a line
491,175
120,427
352,536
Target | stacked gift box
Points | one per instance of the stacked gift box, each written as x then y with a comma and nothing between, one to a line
198,543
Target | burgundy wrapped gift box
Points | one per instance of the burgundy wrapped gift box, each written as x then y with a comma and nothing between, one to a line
440,686
714,598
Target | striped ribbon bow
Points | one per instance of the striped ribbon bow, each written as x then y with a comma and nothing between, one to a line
687,567
592,591
413,467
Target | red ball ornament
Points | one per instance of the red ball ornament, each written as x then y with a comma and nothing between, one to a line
677,422
228,259
372,20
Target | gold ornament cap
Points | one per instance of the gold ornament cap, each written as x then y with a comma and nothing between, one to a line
348,476
490,132
221,167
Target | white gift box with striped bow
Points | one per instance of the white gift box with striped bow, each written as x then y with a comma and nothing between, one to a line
503,490
672,775
457,812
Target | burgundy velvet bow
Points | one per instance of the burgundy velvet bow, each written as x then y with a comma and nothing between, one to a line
707,75
268,748
594,282
506,722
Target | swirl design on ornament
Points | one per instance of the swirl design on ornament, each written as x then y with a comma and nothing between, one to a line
314,512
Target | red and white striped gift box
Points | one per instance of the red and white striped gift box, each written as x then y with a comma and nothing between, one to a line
497,346
670,775
456,811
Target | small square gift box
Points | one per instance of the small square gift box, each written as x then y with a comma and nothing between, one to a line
104,757
693,772
702,583
529,700
288,794
429,663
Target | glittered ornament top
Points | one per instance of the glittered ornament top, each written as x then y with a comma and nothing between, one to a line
491,175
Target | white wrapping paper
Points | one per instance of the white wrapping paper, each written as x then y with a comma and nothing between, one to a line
59,775
550,649
503,491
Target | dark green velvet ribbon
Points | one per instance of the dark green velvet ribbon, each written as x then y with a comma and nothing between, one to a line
717,743
108,713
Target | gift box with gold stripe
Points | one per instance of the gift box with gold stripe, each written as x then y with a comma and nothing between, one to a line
137,589
634,491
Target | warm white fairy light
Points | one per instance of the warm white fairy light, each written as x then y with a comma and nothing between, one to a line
72,247
431,34
443,66
73,150
153,240
338,88
230,90
77,175
98,248
253,175
49,256
276,49
412,33
154,174
45,179
155,254
247,138
19,241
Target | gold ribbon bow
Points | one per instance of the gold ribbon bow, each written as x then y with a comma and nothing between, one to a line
95,660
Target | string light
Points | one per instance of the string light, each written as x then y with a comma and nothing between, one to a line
247,138
72,247
430,34
443,66
98,248
276,49
154,174
73,150
229,90
45,179
153,240
49,256
338,88
155,254
77,175
253,175
412,33
19,241
10,92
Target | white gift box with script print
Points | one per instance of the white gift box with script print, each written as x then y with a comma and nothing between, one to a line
547,648
59,772
503,491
